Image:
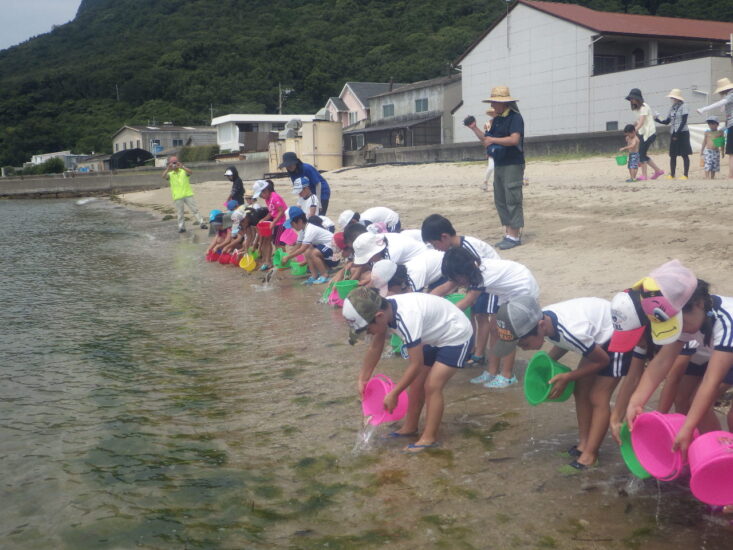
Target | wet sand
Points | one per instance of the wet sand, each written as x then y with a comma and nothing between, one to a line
495,482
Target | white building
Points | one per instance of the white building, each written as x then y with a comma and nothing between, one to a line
251,132
571,67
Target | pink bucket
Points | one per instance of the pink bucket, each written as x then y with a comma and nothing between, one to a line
373,403
289,237
334,299
652,437
711,464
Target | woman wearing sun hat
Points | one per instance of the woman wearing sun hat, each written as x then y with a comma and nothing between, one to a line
679,143
647,132
725,89
504,143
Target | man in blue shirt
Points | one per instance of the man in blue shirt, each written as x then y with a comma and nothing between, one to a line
297,169
505,144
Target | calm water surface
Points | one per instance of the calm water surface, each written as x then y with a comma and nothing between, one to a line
151,400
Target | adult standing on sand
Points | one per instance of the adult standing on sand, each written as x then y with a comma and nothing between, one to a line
679,141
647,132
504,143
297,169
725,89
178,177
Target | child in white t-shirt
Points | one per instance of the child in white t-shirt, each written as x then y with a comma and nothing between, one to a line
315,243
307,200
438,339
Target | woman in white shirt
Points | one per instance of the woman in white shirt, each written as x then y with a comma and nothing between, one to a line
647,132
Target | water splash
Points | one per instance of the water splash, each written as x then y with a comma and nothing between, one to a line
633,486
82,202
364,437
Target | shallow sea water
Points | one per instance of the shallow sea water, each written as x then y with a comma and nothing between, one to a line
151,400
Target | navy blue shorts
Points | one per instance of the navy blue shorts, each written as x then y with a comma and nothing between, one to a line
327,254
694,369
618,366
453,356
486,303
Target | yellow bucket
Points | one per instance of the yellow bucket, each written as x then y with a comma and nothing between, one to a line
248,262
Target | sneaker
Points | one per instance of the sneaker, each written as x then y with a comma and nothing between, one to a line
655,175
667,177
309,281
181,229
203,226
320,280
264,267
500,381
507,243
682,178
642,178
483,378
630,180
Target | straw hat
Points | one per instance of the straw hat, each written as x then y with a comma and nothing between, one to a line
676,93
500,94
724,84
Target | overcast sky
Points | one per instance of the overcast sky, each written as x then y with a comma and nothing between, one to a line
22,19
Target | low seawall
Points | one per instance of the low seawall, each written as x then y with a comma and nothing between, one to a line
595,143
118,181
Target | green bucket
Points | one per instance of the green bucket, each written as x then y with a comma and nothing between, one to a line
396,344
455,298
719,141
540,370
298,270
277,258
629,456
255,253
344,287
621,160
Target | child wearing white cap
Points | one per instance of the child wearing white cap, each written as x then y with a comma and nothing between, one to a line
421,273
314,242
276,209
307,201
581,325
382,217
438,339
504,279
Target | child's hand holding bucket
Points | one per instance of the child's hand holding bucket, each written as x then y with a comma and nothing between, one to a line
682,440
390,401
558,382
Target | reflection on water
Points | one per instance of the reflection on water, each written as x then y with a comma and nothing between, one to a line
149,399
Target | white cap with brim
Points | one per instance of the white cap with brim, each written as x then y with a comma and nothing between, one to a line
258,187
228,173
345,217
382,273
367,245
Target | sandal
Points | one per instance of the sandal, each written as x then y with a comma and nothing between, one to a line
476,361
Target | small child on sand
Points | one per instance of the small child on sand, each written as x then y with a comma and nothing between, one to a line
710,153
632,146
438,339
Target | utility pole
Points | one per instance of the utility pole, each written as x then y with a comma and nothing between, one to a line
211,111
281,92
117,90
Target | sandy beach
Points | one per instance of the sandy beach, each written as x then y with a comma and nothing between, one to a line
588,233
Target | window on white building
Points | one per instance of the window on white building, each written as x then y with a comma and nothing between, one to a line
352,117
177,143
421,105
388,110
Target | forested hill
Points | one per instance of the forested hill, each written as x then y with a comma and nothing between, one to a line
133,61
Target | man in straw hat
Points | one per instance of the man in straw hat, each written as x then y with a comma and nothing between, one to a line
504,143
725,89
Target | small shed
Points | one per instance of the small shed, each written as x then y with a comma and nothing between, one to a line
130,158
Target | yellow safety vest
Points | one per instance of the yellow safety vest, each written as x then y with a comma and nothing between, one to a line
180,184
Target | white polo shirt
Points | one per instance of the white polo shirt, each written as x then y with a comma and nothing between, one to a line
479,248
402,249
428,319
312,234
507,280
426,269
580,324
306,204
381,214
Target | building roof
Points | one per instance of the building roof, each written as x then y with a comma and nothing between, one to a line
260,118
338,103
162,128
406,123
628,24
364,90
440,81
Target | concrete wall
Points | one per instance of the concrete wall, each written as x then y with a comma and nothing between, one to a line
589,143
546,67
120,181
